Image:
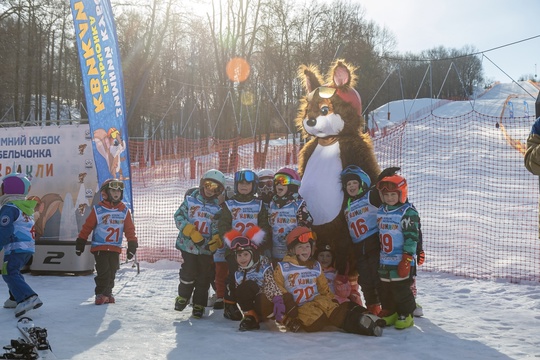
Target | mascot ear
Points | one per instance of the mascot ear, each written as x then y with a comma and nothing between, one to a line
341,75
311,77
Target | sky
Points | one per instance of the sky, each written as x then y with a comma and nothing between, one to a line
464,318
485,24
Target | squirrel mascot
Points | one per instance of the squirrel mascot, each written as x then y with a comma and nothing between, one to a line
331,114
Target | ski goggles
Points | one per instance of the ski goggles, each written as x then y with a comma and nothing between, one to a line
325,92
241,243
212,186
307,237
116,185
245,175
284,179
387,186
268,183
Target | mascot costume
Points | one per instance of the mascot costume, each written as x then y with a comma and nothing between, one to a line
331,113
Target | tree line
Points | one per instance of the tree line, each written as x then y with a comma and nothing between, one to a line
174,61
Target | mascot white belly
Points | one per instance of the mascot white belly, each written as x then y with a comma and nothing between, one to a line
321,185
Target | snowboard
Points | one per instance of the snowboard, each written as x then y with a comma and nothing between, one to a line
36,336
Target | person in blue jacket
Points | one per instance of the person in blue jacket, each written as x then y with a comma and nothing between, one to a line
17,239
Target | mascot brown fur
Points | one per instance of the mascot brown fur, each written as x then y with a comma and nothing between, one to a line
331,113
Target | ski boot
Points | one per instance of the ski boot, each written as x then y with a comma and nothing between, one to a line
249,322
180,303
232,312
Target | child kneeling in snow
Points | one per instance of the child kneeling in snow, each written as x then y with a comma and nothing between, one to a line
308,300
254,280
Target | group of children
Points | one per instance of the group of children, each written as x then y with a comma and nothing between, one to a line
257,249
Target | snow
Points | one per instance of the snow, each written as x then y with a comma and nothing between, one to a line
464,318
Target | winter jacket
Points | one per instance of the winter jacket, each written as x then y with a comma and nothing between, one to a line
108,223
532,155
312,295
199,211
16,224
399,231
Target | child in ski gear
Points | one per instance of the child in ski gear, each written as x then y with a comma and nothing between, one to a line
286,211
253,276
301,277
398,233
532,155
109,220
265,190
17,240
325,257
240,213
360,209
198,239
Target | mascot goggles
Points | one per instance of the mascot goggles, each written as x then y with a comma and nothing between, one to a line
116,185
212,186
325,92
246,175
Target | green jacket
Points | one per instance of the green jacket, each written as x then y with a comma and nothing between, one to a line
532,155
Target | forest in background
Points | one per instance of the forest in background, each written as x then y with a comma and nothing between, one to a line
174,58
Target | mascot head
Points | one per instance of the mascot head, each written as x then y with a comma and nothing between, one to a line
333,107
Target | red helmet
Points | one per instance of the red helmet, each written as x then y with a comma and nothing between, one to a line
300,234
394,183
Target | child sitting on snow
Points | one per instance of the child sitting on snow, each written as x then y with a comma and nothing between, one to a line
253,275
307,298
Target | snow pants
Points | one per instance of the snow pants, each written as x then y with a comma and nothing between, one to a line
195,277
367,254
13,263
107,264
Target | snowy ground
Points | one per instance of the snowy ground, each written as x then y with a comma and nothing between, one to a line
464,319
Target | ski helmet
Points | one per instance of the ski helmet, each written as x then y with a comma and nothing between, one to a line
248,176
212,176
289,177
353,172
394,183
266,182
250,241
300,234
112,184
16,183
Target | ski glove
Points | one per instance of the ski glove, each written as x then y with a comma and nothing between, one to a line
342,287
191,231
290,305
215,243
279,308
80,244
404,266
132,249
421,257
